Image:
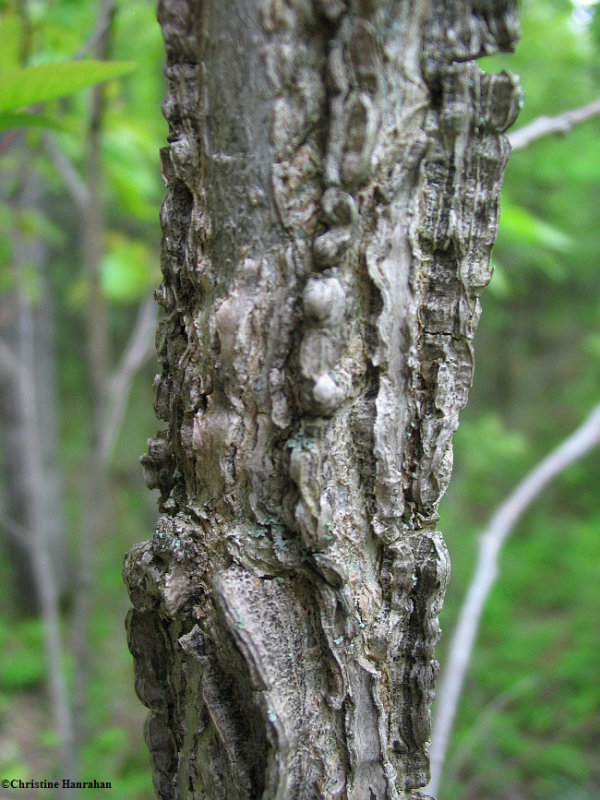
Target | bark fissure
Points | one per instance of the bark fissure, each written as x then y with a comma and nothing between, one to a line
332,184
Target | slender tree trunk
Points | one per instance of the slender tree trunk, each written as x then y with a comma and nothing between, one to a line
95,516
333,178
30,298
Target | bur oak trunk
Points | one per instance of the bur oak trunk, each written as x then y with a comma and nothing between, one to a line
332,178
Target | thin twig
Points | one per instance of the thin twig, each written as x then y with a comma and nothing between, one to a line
9,364
501,524
101,29
138,350
17,532
544,126
8,139
74,183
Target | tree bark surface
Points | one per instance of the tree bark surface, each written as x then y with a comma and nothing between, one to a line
333,176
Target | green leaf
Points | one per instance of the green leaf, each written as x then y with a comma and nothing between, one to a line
49,738
521,226
47,82
4,632
592,346
128,269
132,166
9,120
11,31
108,740
500,283
21,666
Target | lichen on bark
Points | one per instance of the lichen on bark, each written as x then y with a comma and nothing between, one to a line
333,174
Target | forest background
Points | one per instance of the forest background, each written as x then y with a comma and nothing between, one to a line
79,257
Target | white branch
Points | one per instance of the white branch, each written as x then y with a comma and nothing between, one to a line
501,524
139,348
543,126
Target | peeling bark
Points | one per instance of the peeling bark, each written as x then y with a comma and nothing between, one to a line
332,178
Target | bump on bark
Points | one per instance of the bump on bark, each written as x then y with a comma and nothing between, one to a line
332,178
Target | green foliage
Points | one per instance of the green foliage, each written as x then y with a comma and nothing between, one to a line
13,769
131,167
131,135
21,666
31,85
492,451
10,120
10,41
537,376
521,227
128,269
40,83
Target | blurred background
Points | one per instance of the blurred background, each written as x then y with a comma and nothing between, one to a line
79,257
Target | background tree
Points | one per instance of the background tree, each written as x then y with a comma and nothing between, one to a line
33,516
333,181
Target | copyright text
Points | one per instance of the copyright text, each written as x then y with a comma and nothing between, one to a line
64,783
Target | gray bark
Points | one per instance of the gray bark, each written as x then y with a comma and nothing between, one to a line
332,178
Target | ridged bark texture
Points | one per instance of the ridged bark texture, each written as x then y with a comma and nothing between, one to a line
332,178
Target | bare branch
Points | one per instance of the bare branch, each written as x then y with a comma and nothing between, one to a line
501,524
138,350
544,126
101,29
17,532
74,183
9,364
9,138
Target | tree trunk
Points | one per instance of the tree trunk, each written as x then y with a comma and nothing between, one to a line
96,506
333,180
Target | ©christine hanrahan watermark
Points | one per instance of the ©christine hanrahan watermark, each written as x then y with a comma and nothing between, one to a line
63,783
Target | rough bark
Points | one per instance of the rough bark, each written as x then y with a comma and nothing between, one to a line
332,178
